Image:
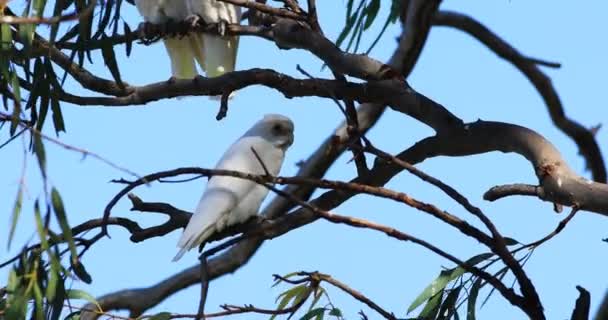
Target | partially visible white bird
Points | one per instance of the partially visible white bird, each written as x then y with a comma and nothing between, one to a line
228,200
182,50
219,52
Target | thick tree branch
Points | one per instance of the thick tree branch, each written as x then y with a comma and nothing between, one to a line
582,136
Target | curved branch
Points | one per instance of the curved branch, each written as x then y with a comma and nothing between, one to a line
416,17
582,136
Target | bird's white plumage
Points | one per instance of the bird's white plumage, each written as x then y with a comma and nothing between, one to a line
229,200
219,52
216,55
183,51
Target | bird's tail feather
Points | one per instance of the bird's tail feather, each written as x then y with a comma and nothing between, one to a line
182,57
220,54
198,49
193,241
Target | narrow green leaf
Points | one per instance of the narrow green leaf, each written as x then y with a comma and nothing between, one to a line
81,272
16,115
51,286
473,293
448,307
26,34
129,43
474,260
437,286
371,13
161,316
335,312
109,58
314,313
40,153
317,295
15,216
395,11
288,295
79,294
58,302
498,275
39,7
432,307
38,302
63,221
57,116
350,22
510,241
73,316
17,306
6,37
42,232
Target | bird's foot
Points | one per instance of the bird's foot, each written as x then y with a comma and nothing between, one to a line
147,32
193,20
222,25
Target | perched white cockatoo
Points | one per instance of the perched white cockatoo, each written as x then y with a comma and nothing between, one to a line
216,55
182,50
228,200
219,52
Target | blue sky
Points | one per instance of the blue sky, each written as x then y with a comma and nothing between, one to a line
454,70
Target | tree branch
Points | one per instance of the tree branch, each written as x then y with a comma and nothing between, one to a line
582,136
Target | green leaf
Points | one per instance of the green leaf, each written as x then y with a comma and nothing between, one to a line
17,306
448,307
17,103
350,22
432,307
6,37
26,34
474,260
73,316
161,316
109,58
81,272
63,221
40,153
15,216
314,313
58,302
57,116
317,295
371,13
79,294
335,312
40,227
39,7
473,293
436,287
129,43
498,275
510,241
288,295
38,302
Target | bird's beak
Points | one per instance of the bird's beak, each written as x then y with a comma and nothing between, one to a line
287,142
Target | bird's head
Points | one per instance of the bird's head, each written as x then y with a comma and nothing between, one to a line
277,129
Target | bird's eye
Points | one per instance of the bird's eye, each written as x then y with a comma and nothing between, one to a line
276,129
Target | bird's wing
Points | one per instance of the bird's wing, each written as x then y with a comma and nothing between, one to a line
221,196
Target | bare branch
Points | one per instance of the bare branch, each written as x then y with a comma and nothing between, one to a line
582,136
